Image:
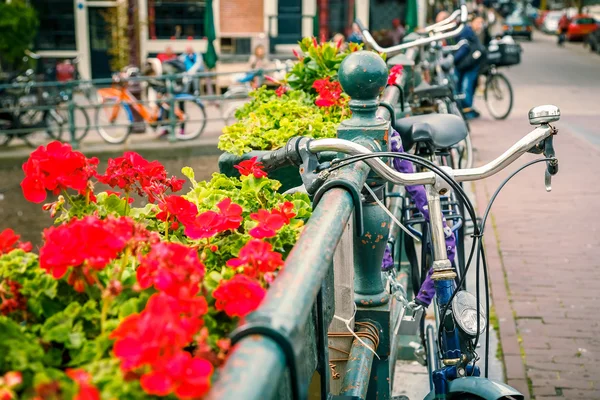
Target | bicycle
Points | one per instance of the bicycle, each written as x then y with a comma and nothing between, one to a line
497,92
433,101
119,113
451,355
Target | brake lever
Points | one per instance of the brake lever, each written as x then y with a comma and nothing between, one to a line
552,165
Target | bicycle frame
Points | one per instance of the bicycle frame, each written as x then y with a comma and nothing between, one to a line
124,98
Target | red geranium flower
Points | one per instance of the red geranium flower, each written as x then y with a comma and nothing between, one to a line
132,172
329,93
171,268
181,374
87,391
395,74
257,256
163,328
206,225
9,241
238,296
286,210
281,90
268,224
251,167
90,240
231,214
177,207
56,167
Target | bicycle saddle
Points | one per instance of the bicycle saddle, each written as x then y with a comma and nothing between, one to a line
438,131
432,91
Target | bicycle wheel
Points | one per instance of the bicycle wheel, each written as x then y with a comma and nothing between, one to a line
57,123
191,119
498,96
112,121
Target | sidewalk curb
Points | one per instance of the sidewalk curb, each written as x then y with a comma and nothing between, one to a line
500,292
150,149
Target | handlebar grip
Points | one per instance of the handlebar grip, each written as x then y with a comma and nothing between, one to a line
360,24
275,159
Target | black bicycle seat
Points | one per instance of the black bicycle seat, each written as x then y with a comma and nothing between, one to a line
425,90
438,131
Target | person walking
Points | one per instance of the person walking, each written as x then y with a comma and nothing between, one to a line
193,63
563,27
467,60
398,31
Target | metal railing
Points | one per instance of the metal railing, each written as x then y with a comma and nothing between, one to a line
279,347
30,107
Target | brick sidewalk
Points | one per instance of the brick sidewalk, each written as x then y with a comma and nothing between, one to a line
545,275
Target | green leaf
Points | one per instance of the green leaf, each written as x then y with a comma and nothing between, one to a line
58,327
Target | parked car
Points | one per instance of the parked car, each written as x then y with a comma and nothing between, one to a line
540,19
550,24
593,40
518,25
581,26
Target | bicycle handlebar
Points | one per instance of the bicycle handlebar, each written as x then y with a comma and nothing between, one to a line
419,42
535,138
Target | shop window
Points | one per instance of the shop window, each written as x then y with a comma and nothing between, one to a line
57,24
176,19
236,46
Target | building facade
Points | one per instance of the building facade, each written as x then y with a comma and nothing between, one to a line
79,28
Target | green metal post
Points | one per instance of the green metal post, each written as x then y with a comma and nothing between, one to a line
172,116
358,369
363,76
72,122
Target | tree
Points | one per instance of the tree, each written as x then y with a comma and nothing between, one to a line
18,28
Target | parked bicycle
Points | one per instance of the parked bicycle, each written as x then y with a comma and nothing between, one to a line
460,318
498,93
119,113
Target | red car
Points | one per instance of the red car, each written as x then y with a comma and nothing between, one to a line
581,25
540,19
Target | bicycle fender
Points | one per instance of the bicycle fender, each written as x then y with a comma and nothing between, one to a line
482,387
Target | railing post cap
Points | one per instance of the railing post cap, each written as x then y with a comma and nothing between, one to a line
363,75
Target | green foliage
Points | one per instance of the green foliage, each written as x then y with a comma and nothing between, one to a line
268,121
319,62
251,194
18,27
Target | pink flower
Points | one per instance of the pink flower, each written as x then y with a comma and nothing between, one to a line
238,296
251,167
268,224
257,257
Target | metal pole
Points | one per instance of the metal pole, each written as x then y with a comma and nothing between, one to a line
358,368
72,122
289,300
172,116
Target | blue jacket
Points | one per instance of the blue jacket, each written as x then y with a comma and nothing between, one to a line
469,35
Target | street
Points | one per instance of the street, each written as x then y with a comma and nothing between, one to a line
543,248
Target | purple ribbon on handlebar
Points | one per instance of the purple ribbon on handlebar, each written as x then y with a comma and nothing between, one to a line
417,193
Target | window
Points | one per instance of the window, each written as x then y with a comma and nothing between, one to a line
57,24
585,21
236,46
178,19
338,17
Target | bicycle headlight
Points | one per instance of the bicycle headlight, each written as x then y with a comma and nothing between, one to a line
464,309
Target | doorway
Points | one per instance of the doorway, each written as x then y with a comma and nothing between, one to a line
99,43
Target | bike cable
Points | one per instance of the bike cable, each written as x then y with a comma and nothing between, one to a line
481,249
477,236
